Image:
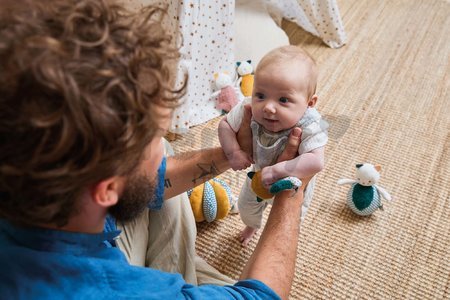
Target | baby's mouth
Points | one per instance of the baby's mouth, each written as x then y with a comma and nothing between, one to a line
271,121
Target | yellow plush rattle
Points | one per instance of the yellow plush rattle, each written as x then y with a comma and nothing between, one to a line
246,79
287,183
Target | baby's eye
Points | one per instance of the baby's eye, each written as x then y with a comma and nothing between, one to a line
284,100
260,96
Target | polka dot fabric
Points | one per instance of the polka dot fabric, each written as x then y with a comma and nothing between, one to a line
319,17
207,48
204,30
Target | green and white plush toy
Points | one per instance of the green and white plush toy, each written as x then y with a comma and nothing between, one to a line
364,196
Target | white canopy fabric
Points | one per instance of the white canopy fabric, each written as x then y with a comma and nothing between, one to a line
205,34
319,17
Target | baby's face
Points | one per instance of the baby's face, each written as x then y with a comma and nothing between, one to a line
280,96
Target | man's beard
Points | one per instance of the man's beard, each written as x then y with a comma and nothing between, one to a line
137,195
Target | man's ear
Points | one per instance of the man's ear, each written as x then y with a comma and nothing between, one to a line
106,193
312,101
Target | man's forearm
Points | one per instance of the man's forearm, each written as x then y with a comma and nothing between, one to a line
190,169
273,261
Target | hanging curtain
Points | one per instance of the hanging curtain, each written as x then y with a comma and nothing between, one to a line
207,48
319,17
205,34
204,30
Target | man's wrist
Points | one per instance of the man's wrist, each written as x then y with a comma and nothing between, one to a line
291,197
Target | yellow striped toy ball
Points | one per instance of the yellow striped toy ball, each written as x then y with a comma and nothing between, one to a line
210,201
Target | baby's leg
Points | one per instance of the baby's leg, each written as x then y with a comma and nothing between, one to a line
308,195
246,235
250,211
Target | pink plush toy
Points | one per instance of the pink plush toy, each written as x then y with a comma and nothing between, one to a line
226,95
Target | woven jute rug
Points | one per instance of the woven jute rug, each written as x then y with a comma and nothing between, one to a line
386,97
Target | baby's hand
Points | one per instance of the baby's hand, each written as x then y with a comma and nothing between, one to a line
239,160
268,176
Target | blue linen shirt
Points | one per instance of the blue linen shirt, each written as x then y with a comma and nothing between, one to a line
37,263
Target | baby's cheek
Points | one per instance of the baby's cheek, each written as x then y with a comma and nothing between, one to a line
257,115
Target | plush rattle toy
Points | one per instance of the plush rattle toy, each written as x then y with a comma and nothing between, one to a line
212,200
363,198
287,183
226,95
245,70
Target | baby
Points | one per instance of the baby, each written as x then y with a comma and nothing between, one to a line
283,97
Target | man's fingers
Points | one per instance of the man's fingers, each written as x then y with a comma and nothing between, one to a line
305,182
247,113
293,142
244,134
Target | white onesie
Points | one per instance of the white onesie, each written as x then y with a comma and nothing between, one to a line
267,146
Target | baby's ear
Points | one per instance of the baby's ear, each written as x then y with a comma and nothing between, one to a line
312,102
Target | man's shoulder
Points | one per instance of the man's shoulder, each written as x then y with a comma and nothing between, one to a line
45,274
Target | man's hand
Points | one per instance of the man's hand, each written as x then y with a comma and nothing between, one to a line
291,151
244,135
269,174
293,142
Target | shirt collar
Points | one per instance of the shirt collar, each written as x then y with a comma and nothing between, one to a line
55,240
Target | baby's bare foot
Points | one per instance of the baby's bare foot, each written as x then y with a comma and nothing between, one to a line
246,235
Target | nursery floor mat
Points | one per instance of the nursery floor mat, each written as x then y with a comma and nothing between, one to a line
386,97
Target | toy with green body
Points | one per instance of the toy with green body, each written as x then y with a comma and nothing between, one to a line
364,196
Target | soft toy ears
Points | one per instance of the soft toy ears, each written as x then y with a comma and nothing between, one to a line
377,167
239,63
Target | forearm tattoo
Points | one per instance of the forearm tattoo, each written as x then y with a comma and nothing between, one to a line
167,183
206,171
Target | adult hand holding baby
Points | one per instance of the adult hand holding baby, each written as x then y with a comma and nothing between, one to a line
269,174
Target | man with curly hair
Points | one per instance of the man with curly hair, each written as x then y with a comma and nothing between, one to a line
86,95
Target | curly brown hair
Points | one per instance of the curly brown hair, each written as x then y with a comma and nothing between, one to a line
79,81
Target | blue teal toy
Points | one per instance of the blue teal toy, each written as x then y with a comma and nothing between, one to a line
287,183
364,196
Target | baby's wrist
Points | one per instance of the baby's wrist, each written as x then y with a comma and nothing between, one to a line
231,153
278,171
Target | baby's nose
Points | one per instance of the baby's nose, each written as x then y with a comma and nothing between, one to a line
269,108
